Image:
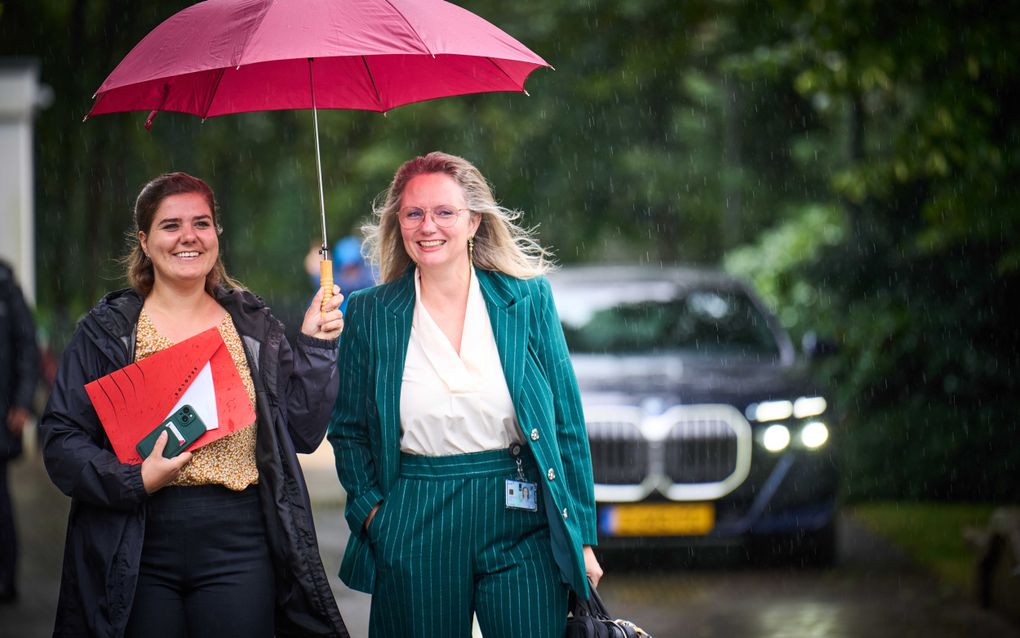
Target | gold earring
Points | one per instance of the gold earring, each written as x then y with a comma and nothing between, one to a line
471,249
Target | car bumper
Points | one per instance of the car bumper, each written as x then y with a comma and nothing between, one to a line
792,493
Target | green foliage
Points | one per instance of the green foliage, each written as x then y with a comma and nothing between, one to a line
776,264
942,548
918,284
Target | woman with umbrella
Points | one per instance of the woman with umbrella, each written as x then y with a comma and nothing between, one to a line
218,542
457,397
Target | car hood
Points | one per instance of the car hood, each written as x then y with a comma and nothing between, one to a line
677,379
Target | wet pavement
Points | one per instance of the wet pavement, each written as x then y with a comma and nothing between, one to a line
875,591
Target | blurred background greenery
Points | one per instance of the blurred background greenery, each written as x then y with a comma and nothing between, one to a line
853,158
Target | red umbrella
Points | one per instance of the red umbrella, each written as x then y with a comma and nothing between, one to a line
232,56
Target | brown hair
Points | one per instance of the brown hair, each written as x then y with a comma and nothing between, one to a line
499,243
140,273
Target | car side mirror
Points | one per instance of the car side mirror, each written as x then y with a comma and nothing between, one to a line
816,347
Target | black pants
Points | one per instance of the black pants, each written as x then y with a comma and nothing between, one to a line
8,537
206,568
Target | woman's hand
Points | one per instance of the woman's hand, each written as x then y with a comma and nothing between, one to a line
158,471
17,417
371,515
591,566
324,323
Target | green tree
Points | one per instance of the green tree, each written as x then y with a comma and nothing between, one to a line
915,99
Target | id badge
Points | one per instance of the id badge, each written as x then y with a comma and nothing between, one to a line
521,495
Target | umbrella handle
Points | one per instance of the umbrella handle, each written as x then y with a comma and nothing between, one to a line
326,280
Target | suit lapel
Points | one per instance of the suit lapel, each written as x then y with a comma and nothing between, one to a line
508,314
391,342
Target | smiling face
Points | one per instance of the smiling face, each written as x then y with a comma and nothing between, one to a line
182,241
429,245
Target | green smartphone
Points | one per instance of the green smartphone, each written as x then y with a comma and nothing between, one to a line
183,428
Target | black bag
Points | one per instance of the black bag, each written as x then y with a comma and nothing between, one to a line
589,619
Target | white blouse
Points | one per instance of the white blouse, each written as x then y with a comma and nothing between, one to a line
450,403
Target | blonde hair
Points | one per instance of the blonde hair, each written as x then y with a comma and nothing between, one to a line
500,244
139,270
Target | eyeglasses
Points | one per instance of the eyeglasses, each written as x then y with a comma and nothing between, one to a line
443,215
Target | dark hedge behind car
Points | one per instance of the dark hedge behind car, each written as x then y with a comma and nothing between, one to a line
705,427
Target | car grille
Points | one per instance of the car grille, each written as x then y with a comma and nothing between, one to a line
700,451
619,453
688,453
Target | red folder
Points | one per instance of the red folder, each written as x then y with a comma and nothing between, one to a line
132,401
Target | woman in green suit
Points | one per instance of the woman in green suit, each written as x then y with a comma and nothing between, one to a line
458,430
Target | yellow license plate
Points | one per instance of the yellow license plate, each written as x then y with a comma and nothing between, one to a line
661,519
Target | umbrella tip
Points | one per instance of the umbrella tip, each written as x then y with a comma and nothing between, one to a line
526,92
85,118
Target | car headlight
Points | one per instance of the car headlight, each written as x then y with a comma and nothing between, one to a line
802,408
770,411
814,435
776,438
809,406
799,428
779,436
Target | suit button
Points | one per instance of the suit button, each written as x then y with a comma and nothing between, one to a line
534,435
564,512
551,474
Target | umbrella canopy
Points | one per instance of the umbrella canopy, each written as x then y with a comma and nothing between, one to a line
232,56
235,56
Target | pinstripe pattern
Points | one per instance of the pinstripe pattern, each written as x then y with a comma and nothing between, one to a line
365,425
446,545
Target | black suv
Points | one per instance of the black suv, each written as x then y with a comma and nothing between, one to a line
703,422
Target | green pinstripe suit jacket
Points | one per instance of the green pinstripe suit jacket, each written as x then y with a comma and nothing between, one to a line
365,425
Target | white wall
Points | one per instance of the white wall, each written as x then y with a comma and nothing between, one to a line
20,93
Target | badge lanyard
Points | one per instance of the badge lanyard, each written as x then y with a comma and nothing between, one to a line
521,494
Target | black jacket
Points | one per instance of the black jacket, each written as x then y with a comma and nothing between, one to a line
294,389
19,358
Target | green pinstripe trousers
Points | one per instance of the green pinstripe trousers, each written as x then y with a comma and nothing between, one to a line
446,546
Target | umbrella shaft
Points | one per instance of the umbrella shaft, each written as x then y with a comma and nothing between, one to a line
318,161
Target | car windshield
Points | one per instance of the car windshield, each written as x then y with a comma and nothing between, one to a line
644,318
